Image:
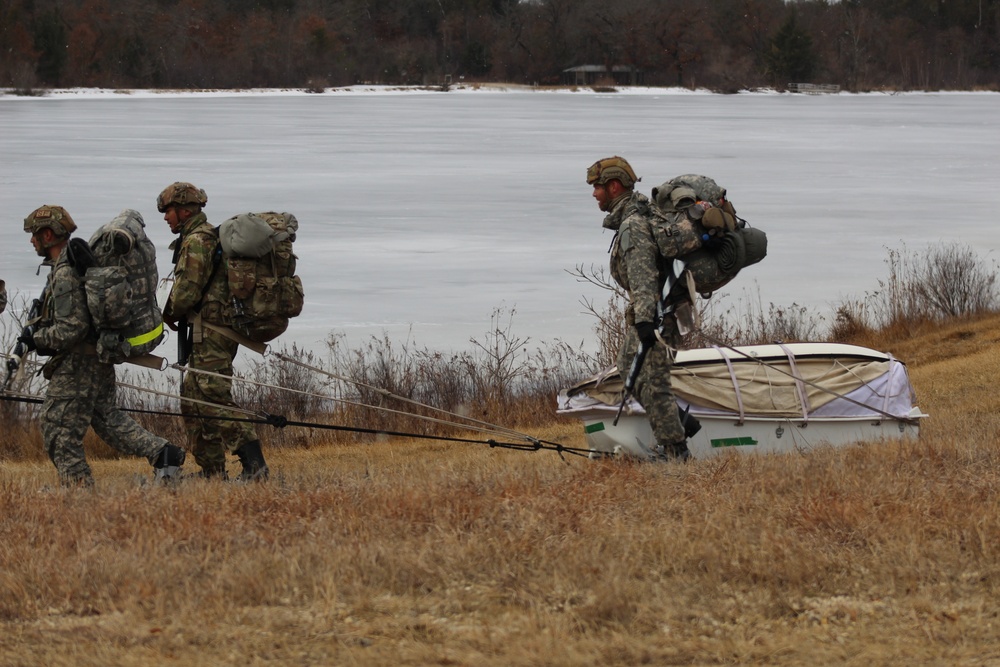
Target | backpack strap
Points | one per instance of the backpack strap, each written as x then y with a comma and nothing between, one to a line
235,336
216,262
151,361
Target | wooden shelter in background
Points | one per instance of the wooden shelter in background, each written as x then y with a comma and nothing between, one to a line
813,88
590,75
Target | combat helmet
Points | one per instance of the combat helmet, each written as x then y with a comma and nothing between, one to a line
180,194
612,168
55,218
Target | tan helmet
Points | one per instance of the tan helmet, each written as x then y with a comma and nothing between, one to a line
180,194
612,168
55,218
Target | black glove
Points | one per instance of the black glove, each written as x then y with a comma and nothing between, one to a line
27,338
646,331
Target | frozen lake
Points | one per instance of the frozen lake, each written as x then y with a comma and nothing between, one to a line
425,211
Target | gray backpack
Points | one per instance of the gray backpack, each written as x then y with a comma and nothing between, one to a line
121,289
694,222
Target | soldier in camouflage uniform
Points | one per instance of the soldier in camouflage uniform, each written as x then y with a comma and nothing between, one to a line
200,294
81,389
636,265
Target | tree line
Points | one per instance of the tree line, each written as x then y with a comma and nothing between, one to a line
723,45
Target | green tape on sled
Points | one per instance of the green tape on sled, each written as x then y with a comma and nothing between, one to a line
734,442
594,428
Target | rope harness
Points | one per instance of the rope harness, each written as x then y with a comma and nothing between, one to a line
529,443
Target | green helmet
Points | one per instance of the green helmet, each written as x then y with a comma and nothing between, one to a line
55,218
612,168
180,194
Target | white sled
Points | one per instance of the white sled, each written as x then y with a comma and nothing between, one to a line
759,398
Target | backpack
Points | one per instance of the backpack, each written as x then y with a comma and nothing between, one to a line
260,269
694,222
121,289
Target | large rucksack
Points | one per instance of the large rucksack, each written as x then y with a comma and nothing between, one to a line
260,267
694,222
121,289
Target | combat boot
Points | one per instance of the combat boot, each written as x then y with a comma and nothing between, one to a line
677,452
254,467
167,466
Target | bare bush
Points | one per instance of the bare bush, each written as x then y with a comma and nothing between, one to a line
945,281
749,322
851,322
19,409
610,326
497,362
500,381
953,281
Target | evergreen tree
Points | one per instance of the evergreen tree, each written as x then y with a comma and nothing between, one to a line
51,43
790,56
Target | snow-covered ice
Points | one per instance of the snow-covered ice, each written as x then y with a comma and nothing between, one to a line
424,211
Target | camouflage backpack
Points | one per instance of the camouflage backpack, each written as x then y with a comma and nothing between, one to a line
694,222
121,289
260,267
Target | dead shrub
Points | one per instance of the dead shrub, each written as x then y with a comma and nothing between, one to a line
949,281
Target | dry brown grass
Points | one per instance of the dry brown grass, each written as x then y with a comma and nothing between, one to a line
417,552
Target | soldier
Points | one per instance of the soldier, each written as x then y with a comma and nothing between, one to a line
81,389
637,266
200,295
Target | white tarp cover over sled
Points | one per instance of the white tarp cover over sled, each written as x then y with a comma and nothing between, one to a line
796,380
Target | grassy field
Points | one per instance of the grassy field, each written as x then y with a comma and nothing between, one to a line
427,553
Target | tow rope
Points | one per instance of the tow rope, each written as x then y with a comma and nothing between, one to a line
280,421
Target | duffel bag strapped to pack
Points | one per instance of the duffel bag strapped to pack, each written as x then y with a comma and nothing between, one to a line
696,223
714,266
121,289
260,267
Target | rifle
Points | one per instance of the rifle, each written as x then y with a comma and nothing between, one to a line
662,310
16,357
185,338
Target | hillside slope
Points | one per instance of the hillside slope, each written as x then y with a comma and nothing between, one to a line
954,368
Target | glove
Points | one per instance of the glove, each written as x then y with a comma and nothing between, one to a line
27,338
646,331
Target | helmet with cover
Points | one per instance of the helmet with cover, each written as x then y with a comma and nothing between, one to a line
612,168
180,194
55,218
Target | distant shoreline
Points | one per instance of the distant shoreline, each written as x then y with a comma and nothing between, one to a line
460,88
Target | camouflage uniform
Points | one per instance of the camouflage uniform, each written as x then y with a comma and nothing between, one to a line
636,265
81,390
200,288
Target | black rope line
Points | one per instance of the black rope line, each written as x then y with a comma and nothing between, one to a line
21,399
